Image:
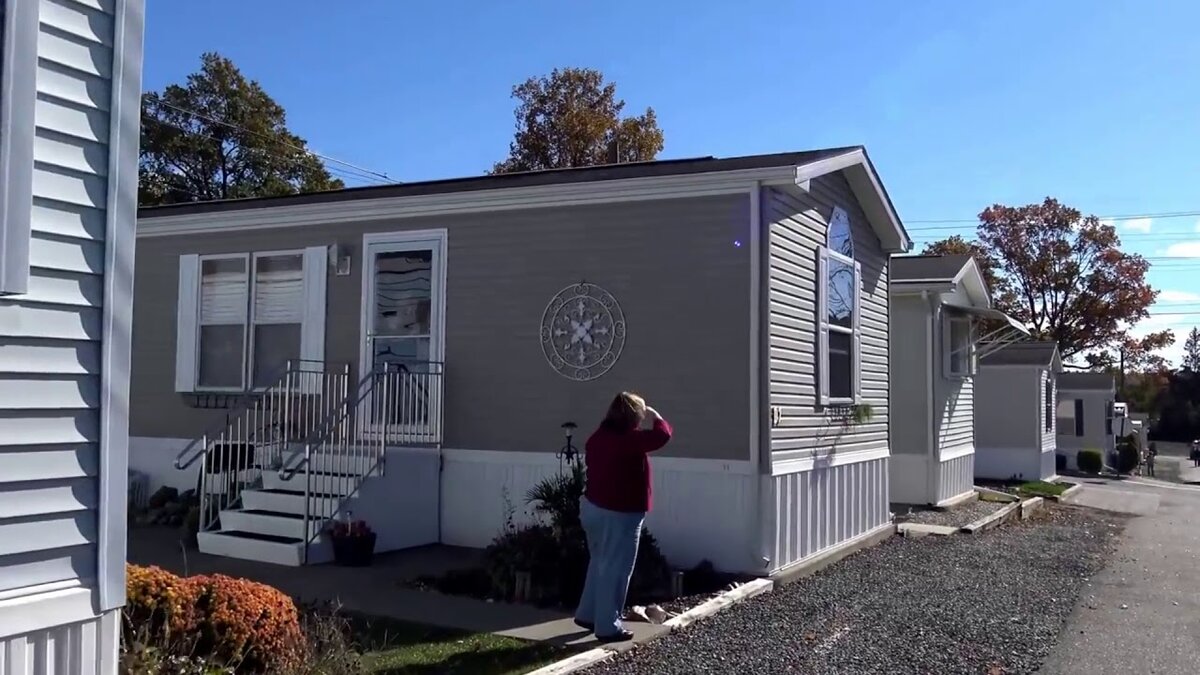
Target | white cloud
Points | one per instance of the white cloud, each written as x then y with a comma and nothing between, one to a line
1137,224
1184,249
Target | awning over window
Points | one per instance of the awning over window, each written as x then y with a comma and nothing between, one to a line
1004,330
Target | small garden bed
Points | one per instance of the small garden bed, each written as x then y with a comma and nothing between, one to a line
1033,488
544,563
958,516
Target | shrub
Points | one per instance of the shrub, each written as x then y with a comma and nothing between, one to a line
1127,457
554,553
1090,461
248,626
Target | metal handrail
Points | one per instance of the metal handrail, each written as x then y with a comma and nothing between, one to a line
274,417
250,399
386,406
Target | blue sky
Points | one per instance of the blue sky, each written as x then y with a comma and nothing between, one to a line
960,104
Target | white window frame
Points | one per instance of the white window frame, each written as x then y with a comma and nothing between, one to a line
1050,405
949,349
18,96
252,320
824,327
314,275
247,259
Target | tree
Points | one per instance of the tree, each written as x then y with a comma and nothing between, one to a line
1063,275
572,118
1191,351
221,136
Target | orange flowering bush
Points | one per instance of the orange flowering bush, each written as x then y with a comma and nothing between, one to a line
247,625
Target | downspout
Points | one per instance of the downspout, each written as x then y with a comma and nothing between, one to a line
759,361
934,299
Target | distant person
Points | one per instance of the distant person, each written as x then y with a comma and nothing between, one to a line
614,506
1151,454
1195,453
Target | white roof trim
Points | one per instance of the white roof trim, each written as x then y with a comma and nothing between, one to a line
868,188
467,201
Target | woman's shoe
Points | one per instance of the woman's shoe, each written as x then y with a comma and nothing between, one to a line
619,636
588,626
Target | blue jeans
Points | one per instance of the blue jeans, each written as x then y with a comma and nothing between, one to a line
612,540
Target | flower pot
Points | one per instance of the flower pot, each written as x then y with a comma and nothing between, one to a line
356,551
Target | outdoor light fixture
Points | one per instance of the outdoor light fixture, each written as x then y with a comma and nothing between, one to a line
339,259
568,453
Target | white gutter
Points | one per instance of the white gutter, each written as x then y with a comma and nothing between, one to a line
759,422
935,364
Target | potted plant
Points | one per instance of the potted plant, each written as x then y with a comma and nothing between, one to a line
353,543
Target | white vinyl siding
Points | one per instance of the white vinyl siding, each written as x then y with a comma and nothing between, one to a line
798,228
1049,407
51,334
958,346
242,317
18,89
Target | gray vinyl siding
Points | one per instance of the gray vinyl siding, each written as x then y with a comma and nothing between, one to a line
50,337
910,368
1095,434
672,265
1047,436
1004,417
798,222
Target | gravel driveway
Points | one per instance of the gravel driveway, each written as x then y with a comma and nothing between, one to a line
990,603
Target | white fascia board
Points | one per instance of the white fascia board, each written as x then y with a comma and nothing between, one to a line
869,190
469,201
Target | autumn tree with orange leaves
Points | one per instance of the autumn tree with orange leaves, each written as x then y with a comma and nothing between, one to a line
1065,276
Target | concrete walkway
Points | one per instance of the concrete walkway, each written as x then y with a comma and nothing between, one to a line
378,591
1142,613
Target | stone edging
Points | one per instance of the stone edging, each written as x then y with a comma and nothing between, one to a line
1068,493
1029,506
705,609
993,519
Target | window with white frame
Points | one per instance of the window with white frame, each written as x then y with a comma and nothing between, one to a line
839,281
958,346
18,94
243,317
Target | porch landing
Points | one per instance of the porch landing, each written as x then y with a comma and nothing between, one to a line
377,590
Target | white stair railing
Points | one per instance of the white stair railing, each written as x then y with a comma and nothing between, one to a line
399,404
257,434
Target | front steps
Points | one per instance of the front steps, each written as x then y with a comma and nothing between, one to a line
269,525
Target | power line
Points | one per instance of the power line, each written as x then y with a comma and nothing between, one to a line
297,148
1133,216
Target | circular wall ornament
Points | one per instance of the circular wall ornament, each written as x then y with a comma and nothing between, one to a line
583,332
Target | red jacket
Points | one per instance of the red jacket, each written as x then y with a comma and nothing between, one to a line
618,471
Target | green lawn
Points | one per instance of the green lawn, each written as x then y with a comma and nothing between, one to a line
398,648
1041,488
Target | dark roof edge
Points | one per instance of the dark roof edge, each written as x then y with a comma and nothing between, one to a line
603,172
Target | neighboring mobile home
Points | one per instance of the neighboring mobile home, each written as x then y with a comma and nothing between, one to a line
745,297
1014,412
1085,414
942,322
69,114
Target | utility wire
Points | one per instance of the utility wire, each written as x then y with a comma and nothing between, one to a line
297,148
1133,216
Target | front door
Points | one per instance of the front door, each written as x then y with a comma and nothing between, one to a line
402,312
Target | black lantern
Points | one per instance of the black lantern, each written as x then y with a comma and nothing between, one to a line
568,453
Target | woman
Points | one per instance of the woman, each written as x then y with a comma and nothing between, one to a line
614,505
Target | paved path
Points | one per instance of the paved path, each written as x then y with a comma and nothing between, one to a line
1142,613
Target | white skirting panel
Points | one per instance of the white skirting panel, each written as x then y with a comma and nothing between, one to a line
1014,463
818,509
85,648
910,478
702,508
956,477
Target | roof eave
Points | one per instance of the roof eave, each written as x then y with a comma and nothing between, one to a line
868,188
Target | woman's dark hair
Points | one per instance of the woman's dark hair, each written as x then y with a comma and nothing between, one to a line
625,412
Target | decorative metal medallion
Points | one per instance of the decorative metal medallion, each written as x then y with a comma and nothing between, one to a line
583,332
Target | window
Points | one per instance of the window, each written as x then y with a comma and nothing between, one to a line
839,284
243,317
18,94
958,346
1048,402
1066,415
1108,418
1078,417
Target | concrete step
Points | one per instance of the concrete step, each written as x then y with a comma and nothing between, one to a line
272,523
288,501
326,483
250,546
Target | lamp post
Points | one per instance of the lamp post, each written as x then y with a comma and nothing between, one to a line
568,453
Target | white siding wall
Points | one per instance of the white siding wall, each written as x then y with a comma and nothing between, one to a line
85,648
50,337
834,497
63,387
1047,436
